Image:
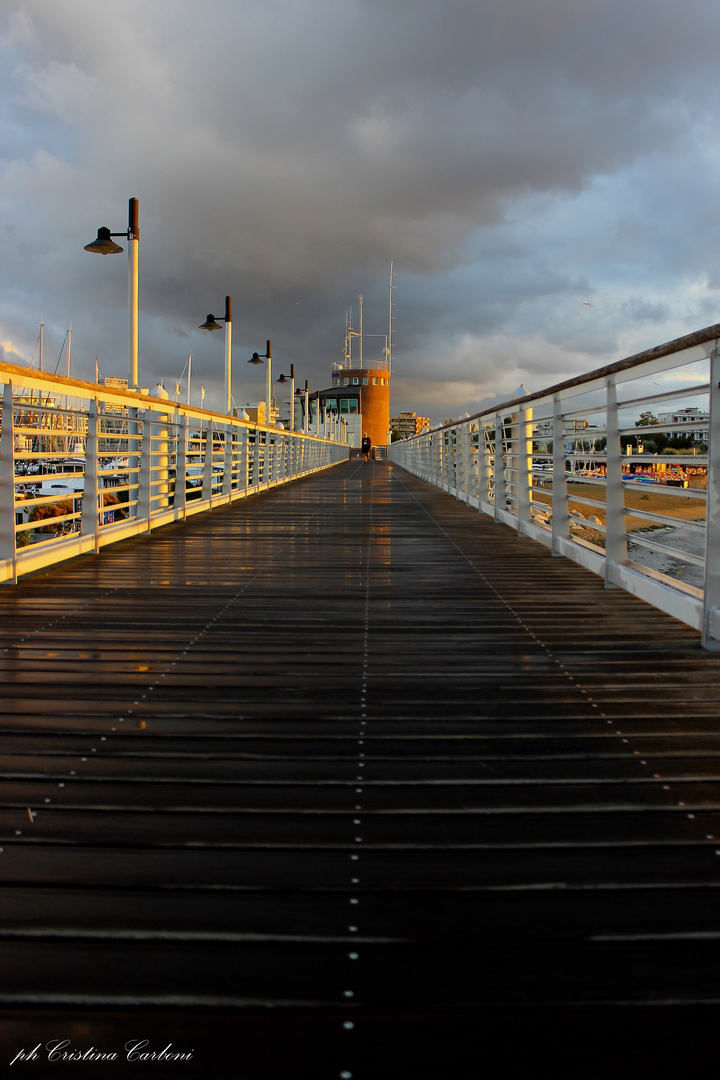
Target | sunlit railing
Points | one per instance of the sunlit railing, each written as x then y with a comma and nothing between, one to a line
564,467
82,466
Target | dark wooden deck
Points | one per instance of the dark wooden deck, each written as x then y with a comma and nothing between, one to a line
347,780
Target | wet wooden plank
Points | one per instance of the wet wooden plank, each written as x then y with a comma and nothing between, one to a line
354,716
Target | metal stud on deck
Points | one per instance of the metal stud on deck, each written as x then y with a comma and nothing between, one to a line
404,780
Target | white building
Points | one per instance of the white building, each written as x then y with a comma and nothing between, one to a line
694,423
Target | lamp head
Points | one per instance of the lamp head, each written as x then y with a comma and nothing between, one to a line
103,244
255,359
282,379
210,324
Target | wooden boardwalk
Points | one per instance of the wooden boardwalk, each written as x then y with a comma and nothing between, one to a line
345,780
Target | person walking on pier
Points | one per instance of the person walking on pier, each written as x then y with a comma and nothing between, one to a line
365,445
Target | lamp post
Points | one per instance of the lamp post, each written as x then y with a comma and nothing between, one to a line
317,414
257,358
103,245
303,396
291,380
211,323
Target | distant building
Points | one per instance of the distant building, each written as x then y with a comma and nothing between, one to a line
113,383
257,412
694,423
407,424
364,390
345,402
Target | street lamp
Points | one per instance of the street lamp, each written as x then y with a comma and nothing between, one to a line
211,323
291,380
257,358
303,396
103,245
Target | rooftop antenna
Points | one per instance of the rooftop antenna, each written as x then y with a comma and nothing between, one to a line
39,342
346,344
390,319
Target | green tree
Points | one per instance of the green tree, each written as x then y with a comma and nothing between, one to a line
646,420
49,510
110,499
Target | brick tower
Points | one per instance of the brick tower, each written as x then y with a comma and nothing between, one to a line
368,380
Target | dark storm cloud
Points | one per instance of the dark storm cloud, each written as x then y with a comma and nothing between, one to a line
514,158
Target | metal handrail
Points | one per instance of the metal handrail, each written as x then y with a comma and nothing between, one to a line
461,458
146,462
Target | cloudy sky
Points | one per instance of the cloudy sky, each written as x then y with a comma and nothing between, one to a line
544,175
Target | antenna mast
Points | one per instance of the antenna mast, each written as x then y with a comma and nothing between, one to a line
390,319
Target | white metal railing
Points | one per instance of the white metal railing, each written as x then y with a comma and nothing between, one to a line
560,466
82,466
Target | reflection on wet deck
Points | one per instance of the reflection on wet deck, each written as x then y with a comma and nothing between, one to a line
347,779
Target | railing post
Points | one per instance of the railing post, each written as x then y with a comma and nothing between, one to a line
560,509
162,461
134,463
91,509
469,473
441,456
499,468
256,462
711,612
455,475
451,463
208,463
524,467
277,458
462,469
616,553
484,468
145,473
227,474
477,462
8,551
180,502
